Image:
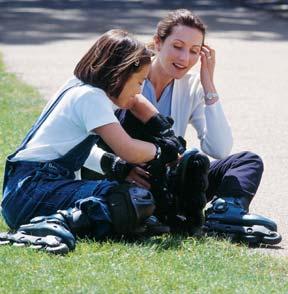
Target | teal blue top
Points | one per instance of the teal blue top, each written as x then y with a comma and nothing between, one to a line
164,103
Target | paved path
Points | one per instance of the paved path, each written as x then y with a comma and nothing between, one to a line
42,40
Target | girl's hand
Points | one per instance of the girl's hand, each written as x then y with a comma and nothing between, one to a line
207,68
139,177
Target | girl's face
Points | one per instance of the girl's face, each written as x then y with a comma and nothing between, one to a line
132,88
179,51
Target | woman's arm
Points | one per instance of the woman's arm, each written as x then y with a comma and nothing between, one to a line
212,127
210,122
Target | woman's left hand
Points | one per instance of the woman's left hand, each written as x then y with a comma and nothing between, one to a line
207,68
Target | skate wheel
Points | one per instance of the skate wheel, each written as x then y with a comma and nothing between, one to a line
251,239
19,244
273,239
61,249
4,242
37,247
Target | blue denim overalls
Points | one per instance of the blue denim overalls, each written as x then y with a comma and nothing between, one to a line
41,188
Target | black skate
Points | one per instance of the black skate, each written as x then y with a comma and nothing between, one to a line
192,182
47,233
226,216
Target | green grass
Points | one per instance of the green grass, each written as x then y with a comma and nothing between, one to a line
158,265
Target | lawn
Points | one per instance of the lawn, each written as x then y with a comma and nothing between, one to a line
168,264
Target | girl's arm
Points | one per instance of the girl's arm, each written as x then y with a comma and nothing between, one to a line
127,148
143,109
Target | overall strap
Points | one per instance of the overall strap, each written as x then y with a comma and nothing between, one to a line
42,118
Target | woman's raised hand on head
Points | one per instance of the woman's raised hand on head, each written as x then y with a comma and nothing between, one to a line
207,68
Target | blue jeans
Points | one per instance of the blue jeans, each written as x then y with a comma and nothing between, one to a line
35,189
41,188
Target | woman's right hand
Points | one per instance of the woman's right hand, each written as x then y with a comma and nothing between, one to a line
139,176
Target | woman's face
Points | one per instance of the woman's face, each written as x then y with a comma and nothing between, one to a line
132,88
179,51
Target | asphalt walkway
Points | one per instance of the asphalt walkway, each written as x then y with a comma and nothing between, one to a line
42,40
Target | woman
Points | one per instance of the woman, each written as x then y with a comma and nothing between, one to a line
179,43
192,98
40,175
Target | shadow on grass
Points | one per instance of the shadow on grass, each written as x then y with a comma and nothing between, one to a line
177,241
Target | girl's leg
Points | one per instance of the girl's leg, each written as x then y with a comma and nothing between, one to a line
46,196
118,209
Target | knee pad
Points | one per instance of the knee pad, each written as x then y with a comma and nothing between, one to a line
129,207
227,216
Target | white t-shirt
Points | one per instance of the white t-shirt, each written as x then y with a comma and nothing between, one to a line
80,110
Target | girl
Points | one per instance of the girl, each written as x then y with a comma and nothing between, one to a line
40,176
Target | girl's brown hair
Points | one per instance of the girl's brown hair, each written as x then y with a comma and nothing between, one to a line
111,61
178,17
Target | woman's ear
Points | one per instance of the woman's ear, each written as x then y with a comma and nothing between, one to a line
157,42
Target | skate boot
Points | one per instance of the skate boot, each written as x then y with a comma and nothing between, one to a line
49,243
153,227
228,216
51,234
129,207
191,186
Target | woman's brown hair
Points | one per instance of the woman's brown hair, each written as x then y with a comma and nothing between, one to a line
178,17
111,61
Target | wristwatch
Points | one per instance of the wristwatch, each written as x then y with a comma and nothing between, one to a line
211,98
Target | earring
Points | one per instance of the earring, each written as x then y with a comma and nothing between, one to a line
137,62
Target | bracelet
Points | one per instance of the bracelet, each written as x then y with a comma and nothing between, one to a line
113,166
158,152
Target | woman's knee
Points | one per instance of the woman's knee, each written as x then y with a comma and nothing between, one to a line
253,158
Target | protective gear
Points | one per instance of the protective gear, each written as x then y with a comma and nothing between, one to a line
159,126
228,216
114,167
129,206
192,182
180,192
158,130
170,148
